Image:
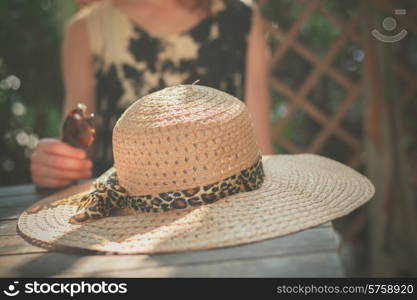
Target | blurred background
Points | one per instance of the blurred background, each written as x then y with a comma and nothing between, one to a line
338,89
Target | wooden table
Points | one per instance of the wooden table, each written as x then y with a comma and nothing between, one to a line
310,253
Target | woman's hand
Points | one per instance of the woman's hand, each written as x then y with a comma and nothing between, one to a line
57,164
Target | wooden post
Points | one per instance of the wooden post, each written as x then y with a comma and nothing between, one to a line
392,213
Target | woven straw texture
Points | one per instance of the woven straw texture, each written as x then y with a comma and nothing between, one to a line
188,136
181,137
300,191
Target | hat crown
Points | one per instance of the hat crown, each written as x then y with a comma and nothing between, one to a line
182,137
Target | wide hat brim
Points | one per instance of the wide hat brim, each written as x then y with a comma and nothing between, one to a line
299,192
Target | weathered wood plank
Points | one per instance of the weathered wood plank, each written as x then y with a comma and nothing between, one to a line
26,199
323,264
314,240
20,200
11,213
17,190
8,227
24,189
16,245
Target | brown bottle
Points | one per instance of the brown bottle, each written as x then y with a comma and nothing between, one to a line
78,128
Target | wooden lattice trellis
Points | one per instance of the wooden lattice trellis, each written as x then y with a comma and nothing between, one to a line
330,124
391,244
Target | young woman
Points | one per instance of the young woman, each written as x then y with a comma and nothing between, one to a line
116,51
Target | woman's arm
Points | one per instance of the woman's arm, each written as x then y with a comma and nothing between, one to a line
54,163
77,66
257,86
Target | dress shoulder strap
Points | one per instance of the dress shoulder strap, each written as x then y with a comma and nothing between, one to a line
106,26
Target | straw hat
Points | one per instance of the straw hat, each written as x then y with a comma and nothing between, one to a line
189,175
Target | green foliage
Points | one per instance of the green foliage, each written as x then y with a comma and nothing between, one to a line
318,34
30,33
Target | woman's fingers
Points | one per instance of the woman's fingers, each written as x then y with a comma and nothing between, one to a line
60,162
56,147
56,164
53,160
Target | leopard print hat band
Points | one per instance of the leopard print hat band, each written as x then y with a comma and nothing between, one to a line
108,194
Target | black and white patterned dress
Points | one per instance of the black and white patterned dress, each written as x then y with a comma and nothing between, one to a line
129,62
